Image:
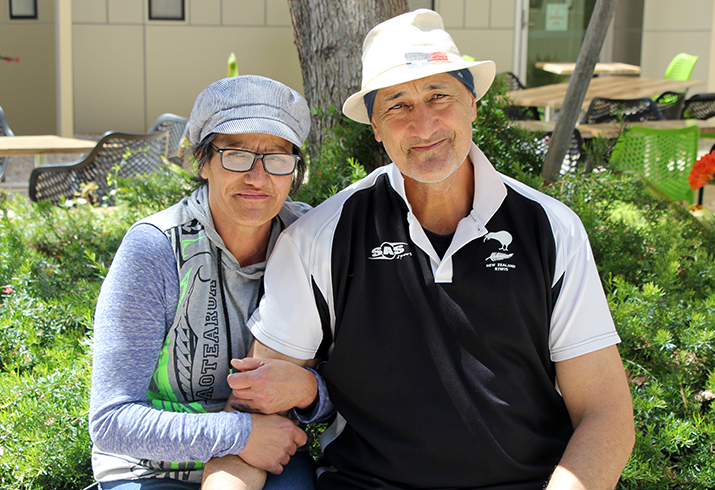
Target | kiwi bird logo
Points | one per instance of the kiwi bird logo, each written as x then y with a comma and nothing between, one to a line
503,237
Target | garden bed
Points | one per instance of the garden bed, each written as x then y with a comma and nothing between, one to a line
657,265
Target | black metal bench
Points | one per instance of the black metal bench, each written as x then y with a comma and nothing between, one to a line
122,154
175,125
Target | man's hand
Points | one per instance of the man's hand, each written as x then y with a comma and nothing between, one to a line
273,440
271,386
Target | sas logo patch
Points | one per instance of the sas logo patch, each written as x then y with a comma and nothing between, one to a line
390,251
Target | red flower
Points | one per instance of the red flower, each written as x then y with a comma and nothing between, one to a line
7,290
702,172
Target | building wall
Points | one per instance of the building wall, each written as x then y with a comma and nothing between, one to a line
483,29
27,88
671,27
627,32
129,70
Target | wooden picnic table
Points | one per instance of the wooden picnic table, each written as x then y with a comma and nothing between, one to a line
615,87
41,145
611,130
612,68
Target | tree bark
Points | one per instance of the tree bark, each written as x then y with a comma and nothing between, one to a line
329,36
578,85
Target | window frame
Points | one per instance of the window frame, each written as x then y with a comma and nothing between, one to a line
167,19
23,17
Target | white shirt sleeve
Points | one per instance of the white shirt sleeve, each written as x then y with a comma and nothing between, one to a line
287,318
581,320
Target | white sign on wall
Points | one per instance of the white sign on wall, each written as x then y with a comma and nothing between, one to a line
557,17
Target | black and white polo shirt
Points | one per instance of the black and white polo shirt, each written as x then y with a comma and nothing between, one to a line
441,369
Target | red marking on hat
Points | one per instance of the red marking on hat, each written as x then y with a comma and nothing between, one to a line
438,57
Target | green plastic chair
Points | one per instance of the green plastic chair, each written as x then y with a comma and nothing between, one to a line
663,158
681,68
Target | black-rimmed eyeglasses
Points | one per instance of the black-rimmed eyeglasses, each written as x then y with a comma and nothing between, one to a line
244,161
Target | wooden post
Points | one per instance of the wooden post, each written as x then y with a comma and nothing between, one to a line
578,85
63,68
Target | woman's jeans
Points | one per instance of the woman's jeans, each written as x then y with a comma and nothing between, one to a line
298,474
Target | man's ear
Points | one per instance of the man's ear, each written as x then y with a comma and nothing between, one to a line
375,131
473,108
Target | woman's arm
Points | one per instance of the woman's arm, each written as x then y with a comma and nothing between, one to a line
135,308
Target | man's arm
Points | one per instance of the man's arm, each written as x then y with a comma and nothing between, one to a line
270,382
232,473
596,393
274,440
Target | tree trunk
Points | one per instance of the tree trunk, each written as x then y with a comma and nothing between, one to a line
578,86
329,36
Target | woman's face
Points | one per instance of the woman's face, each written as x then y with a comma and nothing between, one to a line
250,199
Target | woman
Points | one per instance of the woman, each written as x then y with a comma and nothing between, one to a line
172,311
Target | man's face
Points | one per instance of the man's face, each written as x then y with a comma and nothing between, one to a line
425,126
241,200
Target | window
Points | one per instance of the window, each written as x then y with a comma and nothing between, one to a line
166,9
23,9
420,4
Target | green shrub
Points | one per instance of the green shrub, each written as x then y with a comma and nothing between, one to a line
44,439
148,194
657,263
638,236
52,262
340,161
515,152
32,324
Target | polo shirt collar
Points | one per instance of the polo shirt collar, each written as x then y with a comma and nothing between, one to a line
489,189
489,194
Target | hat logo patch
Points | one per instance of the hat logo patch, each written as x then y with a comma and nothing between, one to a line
416,59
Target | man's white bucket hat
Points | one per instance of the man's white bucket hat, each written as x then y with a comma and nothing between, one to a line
409,47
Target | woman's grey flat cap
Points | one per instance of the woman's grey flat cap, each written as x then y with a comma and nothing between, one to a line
249,104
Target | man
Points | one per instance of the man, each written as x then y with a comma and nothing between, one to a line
173,309
467,338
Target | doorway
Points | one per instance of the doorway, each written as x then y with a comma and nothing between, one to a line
556,31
